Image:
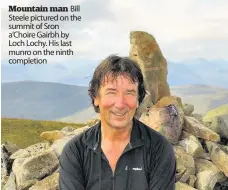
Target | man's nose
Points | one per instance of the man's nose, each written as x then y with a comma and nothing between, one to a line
120,102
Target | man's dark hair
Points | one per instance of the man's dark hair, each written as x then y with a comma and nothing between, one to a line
114,66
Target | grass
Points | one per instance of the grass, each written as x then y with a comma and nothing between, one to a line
25,132
222,110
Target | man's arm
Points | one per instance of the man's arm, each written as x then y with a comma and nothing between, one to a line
162,176
71,171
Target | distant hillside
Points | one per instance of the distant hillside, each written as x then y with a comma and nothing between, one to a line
53,101
42,100
81,116
195,71
20,131
203,97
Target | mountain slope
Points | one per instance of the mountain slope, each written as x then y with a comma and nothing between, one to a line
42,100
195,71
203,97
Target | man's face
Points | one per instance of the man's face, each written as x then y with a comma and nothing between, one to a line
117,100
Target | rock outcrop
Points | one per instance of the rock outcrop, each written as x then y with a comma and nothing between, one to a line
146,52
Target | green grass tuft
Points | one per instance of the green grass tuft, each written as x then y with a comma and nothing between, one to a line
25,132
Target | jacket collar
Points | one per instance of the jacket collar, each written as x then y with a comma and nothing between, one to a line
93,139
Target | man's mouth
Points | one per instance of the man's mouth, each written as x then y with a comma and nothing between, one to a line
119,114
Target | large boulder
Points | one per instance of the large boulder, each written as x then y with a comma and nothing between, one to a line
192,146
11,183
48,183
205,180
58,145
197,129
166,117
188,109
218,156
185,164
29,170
7,149
219,126
146,52
68,129
206,165
183,186
52,136
21,153
144,106
37,148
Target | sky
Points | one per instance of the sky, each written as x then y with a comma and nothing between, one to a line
184,29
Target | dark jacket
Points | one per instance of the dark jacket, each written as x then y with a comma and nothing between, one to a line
148,162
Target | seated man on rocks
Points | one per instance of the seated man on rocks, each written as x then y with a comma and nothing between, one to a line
119,152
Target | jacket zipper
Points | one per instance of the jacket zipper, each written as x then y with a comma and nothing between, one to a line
113,181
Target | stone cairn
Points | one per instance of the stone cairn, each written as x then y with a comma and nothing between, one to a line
200,145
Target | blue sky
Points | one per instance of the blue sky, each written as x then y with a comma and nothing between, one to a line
184,29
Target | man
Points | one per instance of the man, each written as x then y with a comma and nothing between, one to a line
120,152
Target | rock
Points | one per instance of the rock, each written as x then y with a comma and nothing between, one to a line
10,147
184,135
144,106
48,183
197,129
58,145
7,149
80,130
221,186
21,153
167,120
188,109
205,156
183,186
219,126
34,168
11,183
191,181
197,116
4,180
27,184
37,148
223,126
223,147
184,163
175,100
92,122
205,165
52,136
146,52
206,180
214,125
68,129
218,157
192,146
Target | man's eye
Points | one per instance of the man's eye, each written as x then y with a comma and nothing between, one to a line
130,93
111,92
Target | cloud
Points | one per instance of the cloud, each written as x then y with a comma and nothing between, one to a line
183,28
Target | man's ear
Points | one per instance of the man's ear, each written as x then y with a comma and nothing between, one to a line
96,101
137,104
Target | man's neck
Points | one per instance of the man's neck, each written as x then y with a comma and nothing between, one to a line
114,134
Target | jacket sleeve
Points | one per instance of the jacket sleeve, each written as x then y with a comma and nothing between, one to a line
71,175
162,176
